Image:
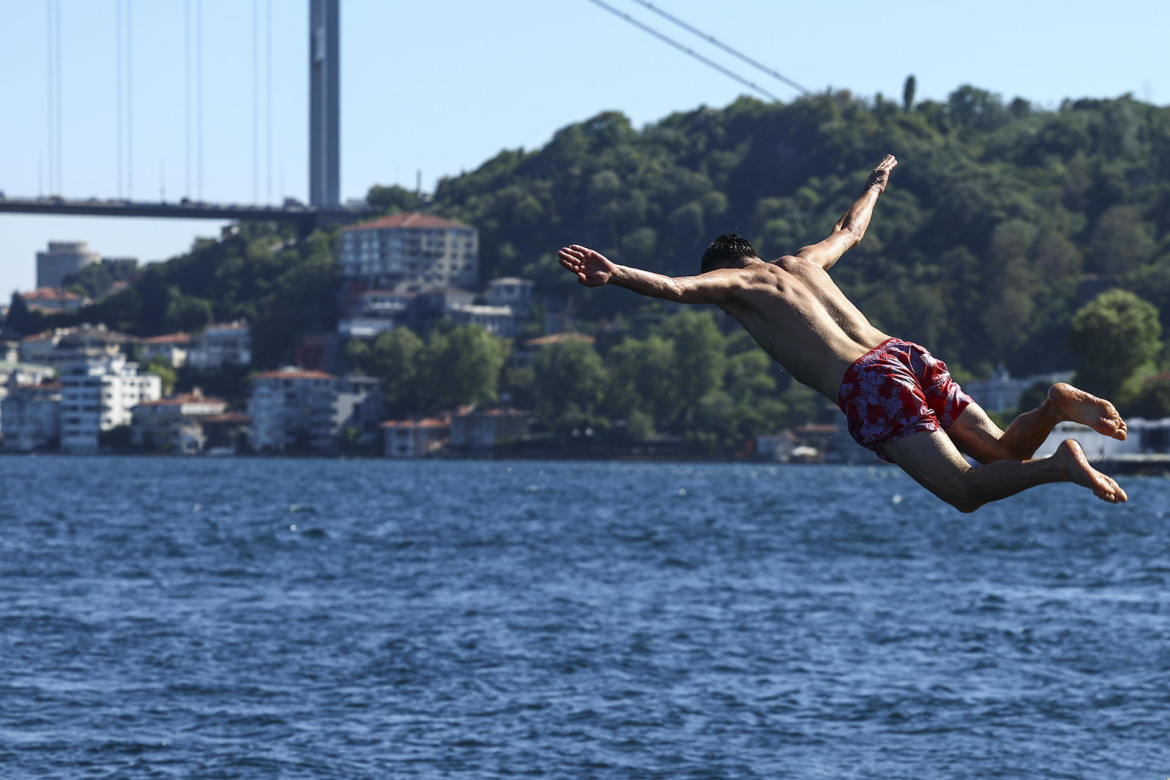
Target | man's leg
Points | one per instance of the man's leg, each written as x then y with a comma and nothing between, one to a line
932,459
976,435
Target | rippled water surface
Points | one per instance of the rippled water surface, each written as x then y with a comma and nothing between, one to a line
369,619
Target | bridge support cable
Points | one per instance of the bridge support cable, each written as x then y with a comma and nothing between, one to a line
720,45
53,92
686,50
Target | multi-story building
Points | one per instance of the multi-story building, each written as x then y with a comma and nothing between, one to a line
512,292
31,415
174,424
98,395
229,344
357,408
415,438
53,300
292,409
61,259
498,320
73,345
479,430
410,252
297,409
172,348
14,374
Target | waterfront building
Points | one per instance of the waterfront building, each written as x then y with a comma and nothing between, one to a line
415,438
174,424
410,252
229,343
98,395
1143,438
61,259
30,415
14,374
296,409
357,408
481,429
291,409
171,347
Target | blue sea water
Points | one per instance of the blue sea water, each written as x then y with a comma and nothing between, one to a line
371,619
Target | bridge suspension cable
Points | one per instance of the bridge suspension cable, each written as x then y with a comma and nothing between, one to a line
719,44
685,49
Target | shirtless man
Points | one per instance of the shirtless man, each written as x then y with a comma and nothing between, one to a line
899,400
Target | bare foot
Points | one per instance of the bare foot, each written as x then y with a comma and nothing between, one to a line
1081,407
1072,457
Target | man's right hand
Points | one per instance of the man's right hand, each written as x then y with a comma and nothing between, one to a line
881,174
593,269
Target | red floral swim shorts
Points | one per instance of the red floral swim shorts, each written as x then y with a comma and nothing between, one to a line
895,390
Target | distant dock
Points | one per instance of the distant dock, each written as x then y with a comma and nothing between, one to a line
1141,465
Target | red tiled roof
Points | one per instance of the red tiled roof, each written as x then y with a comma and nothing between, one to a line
169,338
557,338
413,219
185,398
429,422
296,373
50,294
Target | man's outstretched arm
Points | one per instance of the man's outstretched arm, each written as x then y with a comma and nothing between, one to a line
594,269
848,231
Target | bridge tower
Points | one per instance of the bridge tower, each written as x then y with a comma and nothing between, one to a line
324,104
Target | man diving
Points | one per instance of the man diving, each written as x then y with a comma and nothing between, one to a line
898,399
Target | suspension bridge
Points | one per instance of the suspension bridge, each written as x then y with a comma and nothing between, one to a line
324,207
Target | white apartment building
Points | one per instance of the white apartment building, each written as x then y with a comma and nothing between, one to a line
512,292
174,424
31,416
415,438
73,345
98,395
294,408
172,348
498,320
410,253
229,344
14,374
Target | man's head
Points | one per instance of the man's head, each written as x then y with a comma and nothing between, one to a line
730,249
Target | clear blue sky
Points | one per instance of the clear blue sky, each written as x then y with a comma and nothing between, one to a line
440,87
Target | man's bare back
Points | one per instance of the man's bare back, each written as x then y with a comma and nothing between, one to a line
798,315
802,319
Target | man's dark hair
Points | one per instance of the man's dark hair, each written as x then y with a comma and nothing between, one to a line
726,249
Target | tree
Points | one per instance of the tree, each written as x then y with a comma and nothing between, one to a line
569,380
460,365
908,90
394,358
1111,338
